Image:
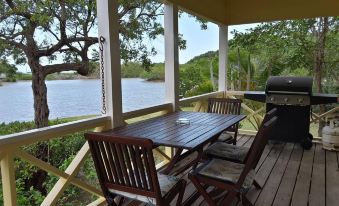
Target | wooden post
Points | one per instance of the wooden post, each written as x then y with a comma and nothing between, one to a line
8,180
171,56
108,27
223,53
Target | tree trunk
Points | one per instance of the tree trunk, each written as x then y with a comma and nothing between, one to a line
319,59
239,68
40,99
41,120
248,82
211,74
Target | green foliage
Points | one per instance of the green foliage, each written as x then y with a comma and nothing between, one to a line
23,76
131,70
62,151
190,78
9,70
203,88
156,73
290,48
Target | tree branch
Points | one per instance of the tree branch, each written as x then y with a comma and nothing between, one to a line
66,42
80,67
13,7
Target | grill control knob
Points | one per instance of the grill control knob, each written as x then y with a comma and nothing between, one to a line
286,99
272,99
300,100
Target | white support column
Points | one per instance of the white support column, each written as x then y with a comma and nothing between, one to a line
108,27
171,56
223,53
8,180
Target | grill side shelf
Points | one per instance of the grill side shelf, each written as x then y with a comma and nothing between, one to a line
320,98
258,96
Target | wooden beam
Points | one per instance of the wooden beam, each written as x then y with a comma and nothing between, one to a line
318,117
56,172
171,56
98,202
2,155
247,132
8,180
223,54
148,110
72,170
108,27
199,97
13,141
162,153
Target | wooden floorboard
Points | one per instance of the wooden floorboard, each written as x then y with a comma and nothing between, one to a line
272,184
285,191
265,170
289,176
317,191
302,186
332,179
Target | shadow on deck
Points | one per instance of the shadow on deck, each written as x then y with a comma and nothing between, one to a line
290,176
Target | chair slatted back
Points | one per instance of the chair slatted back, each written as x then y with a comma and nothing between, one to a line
258,146
124,163
224,106
267,117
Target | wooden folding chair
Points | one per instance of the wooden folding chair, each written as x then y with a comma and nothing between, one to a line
234,153
226,106
236,178
125,167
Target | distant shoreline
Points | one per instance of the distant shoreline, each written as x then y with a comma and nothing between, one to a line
83,78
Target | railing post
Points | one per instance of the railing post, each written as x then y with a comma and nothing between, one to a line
108,27
223,54
171,55
8,180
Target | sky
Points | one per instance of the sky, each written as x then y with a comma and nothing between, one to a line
197,41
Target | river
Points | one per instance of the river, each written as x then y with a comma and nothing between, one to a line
67,98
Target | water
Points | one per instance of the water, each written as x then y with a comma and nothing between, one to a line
67,98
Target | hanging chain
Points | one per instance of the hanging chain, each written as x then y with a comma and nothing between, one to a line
102,70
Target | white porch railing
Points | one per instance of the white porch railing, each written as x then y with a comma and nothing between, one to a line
10,145
10,149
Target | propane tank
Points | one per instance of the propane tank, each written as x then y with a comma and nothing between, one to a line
330,133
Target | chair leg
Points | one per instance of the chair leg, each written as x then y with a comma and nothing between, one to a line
181,193
235,136
257,185
245,201
201,190
229,197
110,201
121,201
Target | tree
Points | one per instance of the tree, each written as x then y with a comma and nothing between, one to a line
307,46
36,32
45,33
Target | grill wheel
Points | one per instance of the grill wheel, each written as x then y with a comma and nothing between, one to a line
307,143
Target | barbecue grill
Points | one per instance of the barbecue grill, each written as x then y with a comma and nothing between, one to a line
292,96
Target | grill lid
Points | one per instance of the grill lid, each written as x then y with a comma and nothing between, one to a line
289,85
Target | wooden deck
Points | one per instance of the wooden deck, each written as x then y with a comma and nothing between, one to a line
290,176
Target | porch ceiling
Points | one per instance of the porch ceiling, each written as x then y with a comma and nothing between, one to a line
232,12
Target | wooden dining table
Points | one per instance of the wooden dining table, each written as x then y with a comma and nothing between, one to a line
185,131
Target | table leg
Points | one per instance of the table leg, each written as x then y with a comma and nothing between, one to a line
200,153
180,157
174,160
